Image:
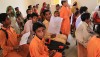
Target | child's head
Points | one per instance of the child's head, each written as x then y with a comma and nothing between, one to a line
57,7
85,17
75,3
17,9
34,17
83,9
64,3
77,13
39,29
47,14
29,11
4,19
30,7
56,14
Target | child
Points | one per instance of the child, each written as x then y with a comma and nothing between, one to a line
28,25
56,14
93,46
20,22
9,40
83,35
37,46
75,16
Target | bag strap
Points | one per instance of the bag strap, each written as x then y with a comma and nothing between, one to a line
5,32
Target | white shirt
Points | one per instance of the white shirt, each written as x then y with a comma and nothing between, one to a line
28,26
78,20
82,33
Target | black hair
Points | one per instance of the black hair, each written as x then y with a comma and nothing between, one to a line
16,8
32,15
85,16
38,25
98,29
83,9
27,10
34,6
57,5
99,7
3,17
76,13
55,12
62,2
44,12
75,3
29,7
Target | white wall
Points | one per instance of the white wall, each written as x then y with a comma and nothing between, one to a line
40,2
91,4
22,4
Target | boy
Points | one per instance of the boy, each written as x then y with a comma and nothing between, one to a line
83,34
56,14
37,46
9,40
65,13
56,39
29,24
93,46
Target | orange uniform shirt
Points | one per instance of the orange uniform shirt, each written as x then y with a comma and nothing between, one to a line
65,13
93,47
38,49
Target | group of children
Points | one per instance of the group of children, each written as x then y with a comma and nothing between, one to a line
42,43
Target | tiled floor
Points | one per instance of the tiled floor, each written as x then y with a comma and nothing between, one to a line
72,51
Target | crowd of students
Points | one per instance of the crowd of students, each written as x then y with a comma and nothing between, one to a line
83,26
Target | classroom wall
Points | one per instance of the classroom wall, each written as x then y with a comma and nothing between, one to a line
22,4
91,4
40,2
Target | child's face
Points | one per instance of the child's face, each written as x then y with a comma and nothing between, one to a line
34,19
48,15
29,12
56,14
40,32
7,22
65,3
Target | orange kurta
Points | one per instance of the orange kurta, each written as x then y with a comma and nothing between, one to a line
65,13
8,44
93,47
82,51
38,49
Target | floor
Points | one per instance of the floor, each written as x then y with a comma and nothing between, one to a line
72,51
